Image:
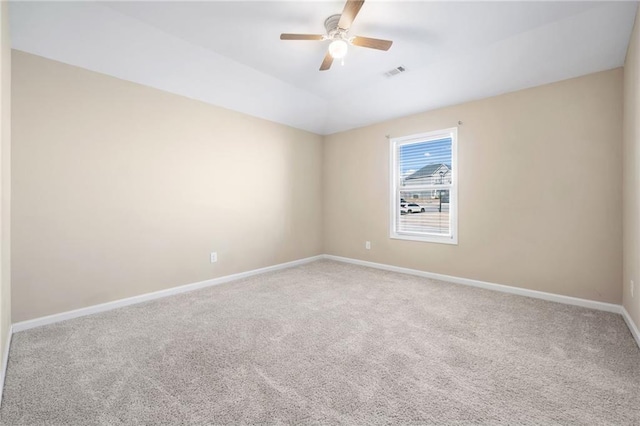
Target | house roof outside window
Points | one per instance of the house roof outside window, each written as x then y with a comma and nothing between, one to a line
430,170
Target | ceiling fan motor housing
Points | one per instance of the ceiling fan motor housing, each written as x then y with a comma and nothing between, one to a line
331,25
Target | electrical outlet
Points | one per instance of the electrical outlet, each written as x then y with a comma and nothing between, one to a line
631,285
214,257
367,245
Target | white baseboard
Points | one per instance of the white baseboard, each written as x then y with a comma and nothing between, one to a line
568,300
592,304
632,326
5,361
51,319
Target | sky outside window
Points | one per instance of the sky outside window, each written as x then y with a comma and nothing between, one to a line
415,156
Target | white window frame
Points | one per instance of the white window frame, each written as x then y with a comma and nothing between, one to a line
394,205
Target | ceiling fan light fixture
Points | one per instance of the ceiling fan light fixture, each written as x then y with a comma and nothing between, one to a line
338,49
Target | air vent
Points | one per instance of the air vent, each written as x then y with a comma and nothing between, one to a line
395,71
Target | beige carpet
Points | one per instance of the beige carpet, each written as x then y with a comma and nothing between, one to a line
329,343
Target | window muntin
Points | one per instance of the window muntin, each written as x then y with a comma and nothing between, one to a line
424,187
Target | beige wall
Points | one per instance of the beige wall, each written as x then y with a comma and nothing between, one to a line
120,189
540,194
5,177
631,168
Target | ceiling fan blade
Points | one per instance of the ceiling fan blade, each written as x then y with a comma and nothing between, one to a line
326,63
372,43
349,13
301,37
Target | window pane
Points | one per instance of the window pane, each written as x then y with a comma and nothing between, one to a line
424,187
425,163
424,212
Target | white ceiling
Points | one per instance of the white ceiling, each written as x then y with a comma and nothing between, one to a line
229,53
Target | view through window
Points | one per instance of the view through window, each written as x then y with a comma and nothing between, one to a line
424,187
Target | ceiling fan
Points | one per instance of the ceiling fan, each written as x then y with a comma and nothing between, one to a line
337,27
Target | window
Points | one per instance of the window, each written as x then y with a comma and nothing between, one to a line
424,170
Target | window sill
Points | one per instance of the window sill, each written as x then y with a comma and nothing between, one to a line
426,238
